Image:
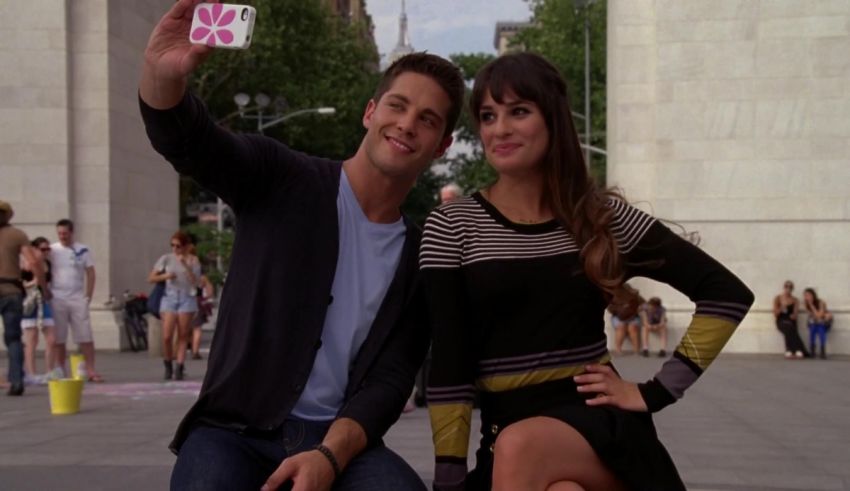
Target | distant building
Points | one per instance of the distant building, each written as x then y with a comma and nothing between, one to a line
403,46
354,12
505,31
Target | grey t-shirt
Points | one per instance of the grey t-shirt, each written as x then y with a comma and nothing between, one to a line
369,254
170,263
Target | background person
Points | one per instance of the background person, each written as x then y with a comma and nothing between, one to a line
653,318
181,272
40,318
14,246
785,309
625,317
819,322
72,288
449,192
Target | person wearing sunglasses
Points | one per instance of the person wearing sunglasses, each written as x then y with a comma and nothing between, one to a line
785,309
181,271
39,317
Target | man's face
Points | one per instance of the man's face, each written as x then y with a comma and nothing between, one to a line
66,237
447,195
405,126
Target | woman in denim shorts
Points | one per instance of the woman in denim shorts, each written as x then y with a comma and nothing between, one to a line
181,272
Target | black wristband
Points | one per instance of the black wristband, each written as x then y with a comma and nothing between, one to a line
331,458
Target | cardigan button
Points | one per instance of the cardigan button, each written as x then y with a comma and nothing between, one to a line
297,387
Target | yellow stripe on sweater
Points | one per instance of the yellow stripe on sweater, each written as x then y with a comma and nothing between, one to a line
450,424
501,383
704,339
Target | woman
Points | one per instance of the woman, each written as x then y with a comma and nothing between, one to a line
180,270
820,320
41,317
518,276
625,317
785,309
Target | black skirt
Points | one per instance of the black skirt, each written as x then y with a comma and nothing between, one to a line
625,441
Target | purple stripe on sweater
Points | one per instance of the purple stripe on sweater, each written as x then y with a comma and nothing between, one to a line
452,388
544,363
537,356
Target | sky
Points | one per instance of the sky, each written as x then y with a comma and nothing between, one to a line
444,27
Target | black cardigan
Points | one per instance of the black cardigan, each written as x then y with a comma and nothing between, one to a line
278,287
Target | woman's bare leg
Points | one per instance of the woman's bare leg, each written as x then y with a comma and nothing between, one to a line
169,326
30,343
184,327
537,453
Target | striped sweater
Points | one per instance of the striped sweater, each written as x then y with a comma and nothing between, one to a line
511,307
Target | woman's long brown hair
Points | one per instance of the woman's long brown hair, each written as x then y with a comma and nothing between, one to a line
575,199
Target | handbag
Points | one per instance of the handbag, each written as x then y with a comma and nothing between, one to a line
31,301
155,298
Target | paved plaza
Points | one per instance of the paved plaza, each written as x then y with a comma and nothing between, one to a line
752,423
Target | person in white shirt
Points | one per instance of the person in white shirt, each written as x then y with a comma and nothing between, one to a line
73,286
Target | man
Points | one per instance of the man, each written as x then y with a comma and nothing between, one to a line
449,192
72,286
15,245
653,317
321,327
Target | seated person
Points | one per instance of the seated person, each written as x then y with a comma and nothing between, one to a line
653,317
624,309
820,320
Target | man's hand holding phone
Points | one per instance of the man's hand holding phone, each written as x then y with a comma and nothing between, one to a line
170,57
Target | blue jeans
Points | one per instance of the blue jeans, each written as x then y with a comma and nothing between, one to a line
12,310
817,330
220,459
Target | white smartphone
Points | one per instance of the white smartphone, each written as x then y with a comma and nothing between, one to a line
223,25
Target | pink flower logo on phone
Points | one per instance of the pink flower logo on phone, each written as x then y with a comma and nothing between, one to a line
214,21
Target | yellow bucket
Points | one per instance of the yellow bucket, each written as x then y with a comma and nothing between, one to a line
78,362
65,395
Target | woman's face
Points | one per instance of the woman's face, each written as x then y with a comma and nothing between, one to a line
513,134
787,288
808,297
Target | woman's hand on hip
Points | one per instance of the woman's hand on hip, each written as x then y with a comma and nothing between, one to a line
610,389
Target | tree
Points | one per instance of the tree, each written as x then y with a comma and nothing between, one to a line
468,168
557,32
304,57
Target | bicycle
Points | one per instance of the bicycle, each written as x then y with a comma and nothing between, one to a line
135,324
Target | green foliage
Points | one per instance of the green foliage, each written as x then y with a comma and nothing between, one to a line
557,32
209,243
304,57
423,197
468,167
307,58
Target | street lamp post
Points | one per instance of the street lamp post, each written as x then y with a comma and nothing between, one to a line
264,121
585,6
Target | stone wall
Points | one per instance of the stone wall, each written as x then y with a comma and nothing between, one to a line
72,141
730,118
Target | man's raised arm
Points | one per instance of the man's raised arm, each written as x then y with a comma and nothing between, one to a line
170,57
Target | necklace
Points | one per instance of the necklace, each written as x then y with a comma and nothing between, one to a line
512,214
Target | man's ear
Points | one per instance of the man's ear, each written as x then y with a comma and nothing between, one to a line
367,114
444,145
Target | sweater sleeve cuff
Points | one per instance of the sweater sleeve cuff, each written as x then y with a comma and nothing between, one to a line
655,395
164,124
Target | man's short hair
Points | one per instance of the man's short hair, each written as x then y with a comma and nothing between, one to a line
444,72
655,302
6,212
67,223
